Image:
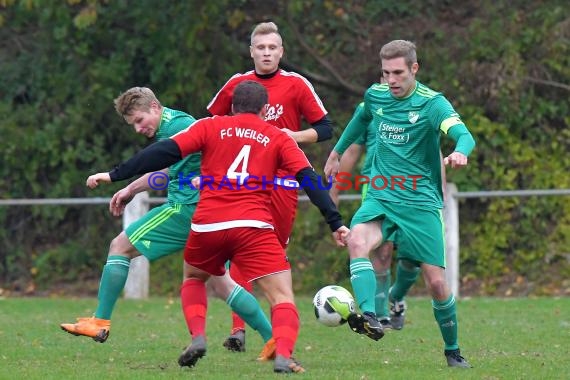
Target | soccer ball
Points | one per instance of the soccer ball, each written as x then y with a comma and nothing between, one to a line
333,304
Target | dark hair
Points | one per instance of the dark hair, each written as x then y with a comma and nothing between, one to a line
249,97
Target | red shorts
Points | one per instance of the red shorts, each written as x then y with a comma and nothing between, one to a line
283,208
256,251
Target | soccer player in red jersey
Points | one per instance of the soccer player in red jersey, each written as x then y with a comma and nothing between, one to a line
291,99
240,156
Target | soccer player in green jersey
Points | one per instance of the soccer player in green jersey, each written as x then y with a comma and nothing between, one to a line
405,197
163,230
382,256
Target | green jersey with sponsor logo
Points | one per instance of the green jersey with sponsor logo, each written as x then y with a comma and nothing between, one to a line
172,122
406,166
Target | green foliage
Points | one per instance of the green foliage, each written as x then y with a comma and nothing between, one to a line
505,67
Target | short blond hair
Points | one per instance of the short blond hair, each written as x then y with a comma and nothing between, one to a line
400,49
263,29
135,99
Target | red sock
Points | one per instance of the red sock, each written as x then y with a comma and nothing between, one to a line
285,322
194,306
237,322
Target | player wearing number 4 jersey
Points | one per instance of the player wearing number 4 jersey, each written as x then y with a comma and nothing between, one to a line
291,99
163,230
233,222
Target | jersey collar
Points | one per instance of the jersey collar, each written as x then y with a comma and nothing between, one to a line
267,76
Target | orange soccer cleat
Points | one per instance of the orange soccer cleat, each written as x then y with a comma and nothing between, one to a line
95,328
268,351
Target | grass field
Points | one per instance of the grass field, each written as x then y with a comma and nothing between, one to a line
502,338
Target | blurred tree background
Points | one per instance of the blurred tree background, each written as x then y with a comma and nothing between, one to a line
504,65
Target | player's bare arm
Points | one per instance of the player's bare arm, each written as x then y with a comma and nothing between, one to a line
122,197
347,163
94,180
356,127
332,165
119,201
304,136
320,130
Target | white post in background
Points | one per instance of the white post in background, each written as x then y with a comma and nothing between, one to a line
137,282
451,220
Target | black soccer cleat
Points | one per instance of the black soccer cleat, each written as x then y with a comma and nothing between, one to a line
386,323
454,359
192,353
367,324
236,341
397,314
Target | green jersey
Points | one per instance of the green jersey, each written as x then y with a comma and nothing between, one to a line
406,167
368,139
171,123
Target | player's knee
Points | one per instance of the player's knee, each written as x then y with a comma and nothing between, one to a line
382,259
199,276
276,292
121,245
382,272
438,288
357,247
276,299
222,287
408,265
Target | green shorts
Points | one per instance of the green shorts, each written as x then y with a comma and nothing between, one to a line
418,233
386,237
162,231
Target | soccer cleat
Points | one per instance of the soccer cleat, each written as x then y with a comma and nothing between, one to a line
386,323
195,351
287,365
366,323
236,341
397,314
454,359
95,328
268,351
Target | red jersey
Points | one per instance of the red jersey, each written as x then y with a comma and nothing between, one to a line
291,97
240,156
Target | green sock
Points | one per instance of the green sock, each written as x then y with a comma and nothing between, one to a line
363,283
382,286
246,306
113,279
445,314
406,275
